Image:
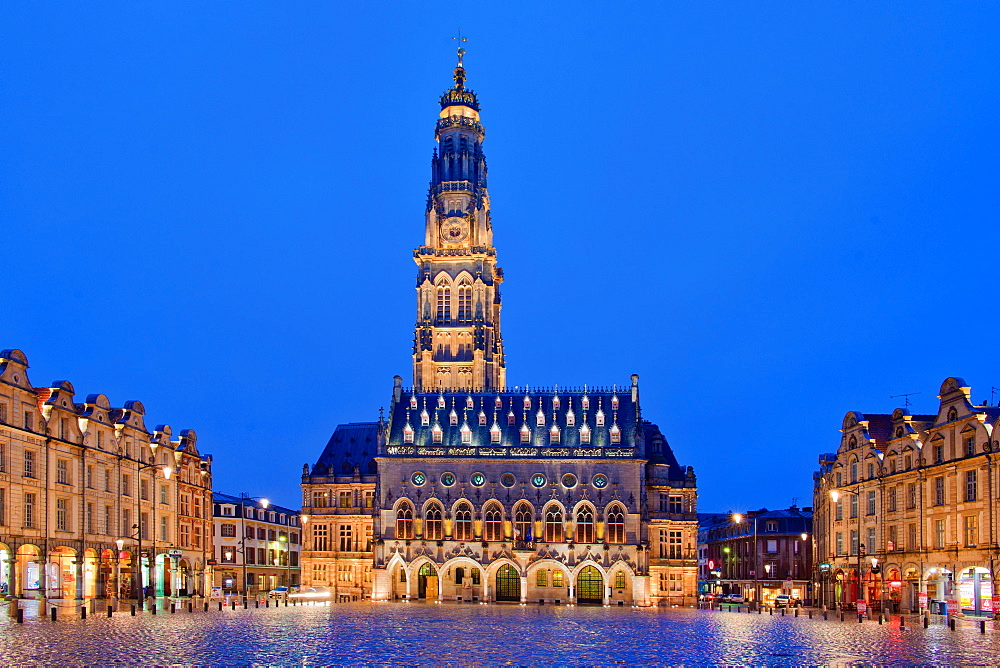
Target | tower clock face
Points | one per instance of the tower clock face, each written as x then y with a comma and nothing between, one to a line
455,230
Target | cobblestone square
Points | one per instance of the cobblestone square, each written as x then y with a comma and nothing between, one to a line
463,634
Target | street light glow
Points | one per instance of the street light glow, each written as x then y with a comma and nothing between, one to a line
737,517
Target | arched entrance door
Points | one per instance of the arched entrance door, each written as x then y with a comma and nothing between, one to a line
427,581
508,584
590,587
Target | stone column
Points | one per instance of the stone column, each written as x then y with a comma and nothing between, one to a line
524,589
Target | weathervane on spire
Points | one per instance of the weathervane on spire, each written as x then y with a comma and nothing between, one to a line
461,51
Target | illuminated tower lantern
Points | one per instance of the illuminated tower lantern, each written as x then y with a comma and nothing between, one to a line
457,343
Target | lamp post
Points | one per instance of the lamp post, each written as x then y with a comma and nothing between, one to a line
118,571
137,527
288,561
264,503
834,498
738,518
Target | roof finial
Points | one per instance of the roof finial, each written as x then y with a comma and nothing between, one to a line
460,68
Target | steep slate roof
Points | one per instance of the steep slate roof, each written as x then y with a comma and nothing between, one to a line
525,406
352,445
665,455
879,428
219,497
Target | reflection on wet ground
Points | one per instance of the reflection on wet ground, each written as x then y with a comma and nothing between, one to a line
414,633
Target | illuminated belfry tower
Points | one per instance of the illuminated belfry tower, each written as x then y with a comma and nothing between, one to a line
457,343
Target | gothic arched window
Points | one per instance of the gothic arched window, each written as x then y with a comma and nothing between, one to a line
433,526
585,525
493,523
464,302
463,522
443,304
404,520
615,526
553,525
522,521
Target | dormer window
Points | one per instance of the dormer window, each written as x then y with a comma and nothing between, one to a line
466,434
510,418
440,401
436,433
495,433
408,433
525,434
425,418
570,418
614,402
482,419
413,402
540,418
585,434
498,403
453,417
554,434
616,434
468,402
585,402
527,402
555,403
600,418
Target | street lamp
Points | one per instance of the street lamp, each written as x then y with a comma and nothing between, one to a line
118,569
738,518
167,470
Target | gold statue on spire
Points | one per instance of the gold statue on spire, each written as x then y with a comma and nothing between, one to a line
460,68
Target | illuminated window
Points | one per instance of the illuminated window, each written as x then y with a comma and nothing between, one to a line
620,580
522,521
553,525
464,302
557,579
554,434
404,521
600,418
541,578
616,434
585,525
443,304
433,526
463,522
493,523
615,527
525,434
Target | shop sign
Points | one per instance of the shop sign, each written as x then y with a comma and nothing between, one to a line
922,600
862,607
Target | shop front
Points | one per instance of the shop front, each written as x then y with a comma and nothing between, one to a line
975,591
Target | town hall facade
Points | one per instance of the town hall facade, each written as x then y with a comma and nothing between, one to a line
467,490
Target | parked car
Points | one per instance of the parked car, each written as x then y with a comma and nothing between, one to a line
311,594
280,592
782,601
735,598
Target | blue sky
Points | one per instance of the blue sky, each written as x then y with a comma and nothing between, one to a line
772,212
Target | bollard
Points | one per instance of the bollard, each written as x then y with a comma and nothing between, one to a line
771,611
19,616
14,607
53,613
110,611
951,623
245,603
173,608
206,606
927,621
286,605
256,604
133,609
841,615
796,612
825,615
152,608
782,612
190,606
902,623
234,603
810,613
861,618
83,612
267,603
880,619
760,611
982,626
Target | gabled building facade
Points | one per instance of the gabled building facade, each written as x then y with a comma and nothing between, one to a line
471,490
89,497
906,508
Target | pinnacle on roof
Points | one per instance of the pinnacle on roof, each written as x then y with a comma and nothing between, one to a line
458,94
